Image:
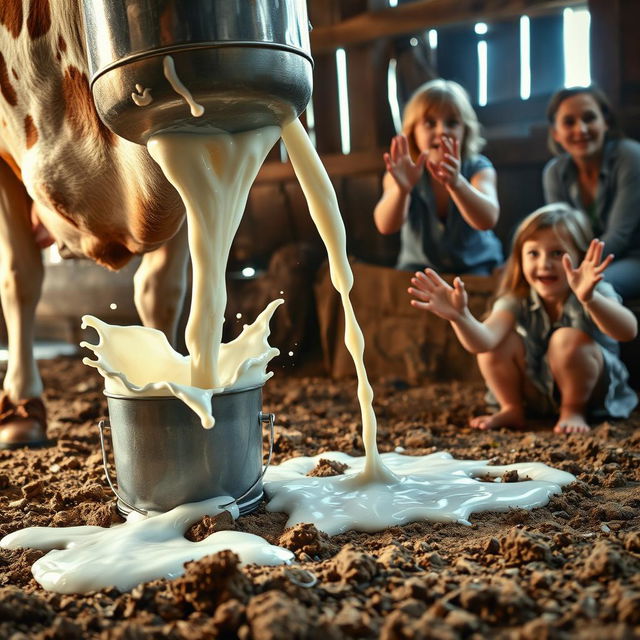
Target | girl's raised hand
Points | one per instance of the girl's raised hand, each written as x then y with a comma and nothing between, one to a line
399,164
583,280
447,169
432,293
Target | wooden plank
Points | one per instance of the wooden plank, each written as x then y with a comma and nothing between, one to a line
423,14
630,47
325,104
323,13
458,58
364,96
415,65
336,164
605,39
615,57
547,72
504,62
351,8
370,119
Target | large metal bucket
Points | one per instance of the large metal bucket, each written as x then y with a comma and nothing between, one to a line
247,62
164,457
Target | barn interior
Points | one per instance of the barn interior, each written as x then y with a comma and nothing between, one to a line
567,569
369,56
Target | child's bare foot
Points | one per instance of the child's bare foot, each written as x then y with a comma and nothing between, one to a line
571,421
511,417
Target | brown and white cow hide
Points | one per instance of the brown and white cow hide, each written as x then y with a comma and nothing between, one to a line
98,195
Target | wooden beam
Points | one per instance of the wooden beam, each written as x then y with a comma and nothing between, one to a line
606,47
424,14
516,151
336,165
325,104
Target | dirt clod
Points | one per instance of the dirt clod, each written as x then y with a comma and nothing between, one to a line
326,468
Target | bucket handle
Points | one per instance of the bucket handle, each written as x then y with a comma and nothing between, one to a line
262,418
101,427
270,418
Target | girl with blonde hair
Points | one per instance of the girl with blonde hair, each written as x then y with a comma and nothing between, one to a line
446,212
550,342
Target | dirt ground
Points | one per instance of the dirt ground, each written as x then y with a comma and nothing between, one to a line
568,570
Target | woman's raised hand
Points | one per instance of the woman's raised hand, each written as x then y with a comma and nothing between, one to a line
583,280
447,169
432,293
399,164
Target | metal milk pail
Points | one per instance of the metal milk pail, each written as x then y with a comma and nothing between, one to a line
164,457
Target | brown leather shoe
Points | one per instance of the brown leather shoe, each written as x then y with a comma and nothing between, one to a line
23,424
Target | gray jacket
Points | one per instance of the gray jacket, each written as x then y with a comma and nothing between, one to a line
616,218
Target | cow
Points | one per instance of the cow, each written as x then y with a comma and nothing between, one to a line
66,177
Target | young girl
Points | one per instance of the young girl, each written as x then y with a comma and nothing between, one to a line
550,341
446,212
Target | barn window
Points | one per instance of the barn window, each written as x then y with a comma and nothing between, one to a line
392,95
575,37
432,37
525,58
483,64
343,101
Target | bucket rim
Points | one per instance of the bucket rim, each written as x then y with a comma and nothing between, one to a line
226,392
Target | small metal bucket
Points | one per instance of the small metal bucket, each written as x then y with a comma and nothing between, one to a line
164,457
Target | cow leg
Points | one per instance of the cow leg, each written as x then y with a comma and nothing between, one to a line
160,285
22,413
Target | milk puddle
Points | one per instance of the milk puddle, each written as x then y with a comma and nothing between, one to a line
213,175
435,487
86,559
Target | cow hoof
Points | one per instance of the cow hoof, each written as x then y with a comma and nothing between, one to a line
23,424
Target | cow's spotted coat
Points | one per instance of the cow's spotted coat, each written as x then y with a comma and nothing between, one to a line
96,194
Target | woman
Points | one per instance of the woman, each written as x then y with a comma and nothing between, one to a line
597,171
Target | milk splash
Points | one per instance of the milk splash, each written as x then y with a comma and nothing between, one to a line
86,559
139,362
213,175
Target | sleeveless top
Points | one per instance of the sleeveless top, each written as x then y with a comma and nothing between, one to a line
450,245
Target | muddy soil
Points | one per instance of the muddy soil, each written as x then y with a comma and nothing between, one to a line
567,570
